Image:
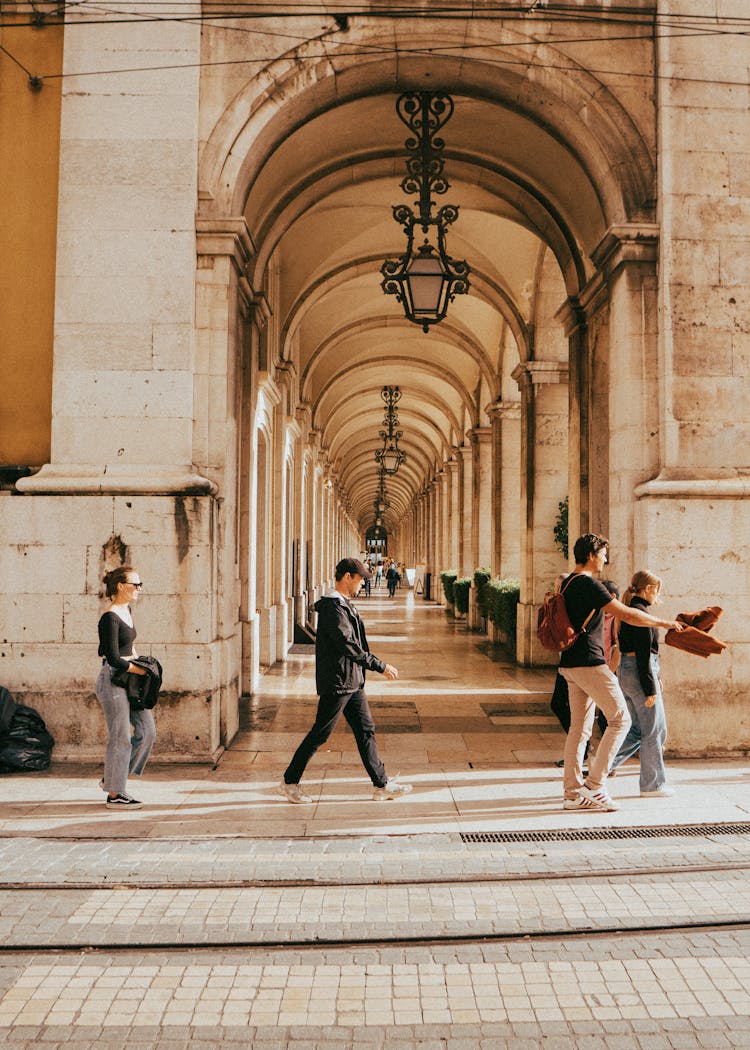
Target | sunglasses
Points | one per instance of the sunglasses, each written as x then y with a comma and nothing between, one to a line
131,584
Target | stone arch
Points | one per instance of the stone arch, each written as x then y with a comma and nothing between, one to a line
570,104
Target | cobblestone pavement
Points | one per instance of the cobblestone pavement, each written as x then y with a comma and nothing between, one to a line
645,992
307,914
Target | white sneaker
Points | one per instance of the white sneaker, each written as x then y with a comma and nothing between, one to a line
391,789
662,792
600,799
293,793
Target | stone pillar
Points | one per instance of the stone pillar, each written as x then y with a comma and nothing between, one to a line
248,393
267,517
691,516
481,517
453,511
507,427
302,525
464,510
571,315
123,481
544,481
624,412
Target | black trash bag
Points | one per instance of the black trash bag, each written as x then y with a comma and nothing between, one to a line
25,745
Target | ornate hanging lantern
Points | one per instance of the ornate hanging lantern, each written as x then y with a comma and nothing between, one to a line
390,456
425,278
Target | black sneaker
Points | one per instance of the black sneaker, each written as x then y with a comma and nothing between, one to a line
122,802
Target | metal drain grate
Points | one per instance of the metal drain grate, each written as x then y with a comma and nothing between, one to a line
584,834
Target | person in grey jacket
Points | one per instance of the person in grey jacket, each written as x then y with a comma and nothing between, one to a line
342,657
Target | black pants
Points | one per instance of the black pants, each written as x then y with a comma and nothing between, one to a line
357,713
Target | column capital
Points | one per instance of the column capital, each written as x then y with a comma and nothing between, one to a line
303,412
479,435
537,373
499,410
571,316
261,310
227,235
626,243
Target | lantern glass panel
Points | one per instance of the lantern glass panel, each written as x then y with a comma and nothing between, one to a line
426,279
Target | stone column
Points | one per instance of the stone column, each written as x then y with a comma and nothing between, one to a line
624,413
302,524
573,319
481,517
507,427
463,456
249,396
123,482
544,398
453,511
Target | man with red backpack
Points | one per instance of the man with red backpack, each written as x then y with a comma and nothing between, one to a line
591,684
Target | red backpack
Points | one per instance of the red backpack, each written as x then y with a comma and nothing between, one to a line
554,629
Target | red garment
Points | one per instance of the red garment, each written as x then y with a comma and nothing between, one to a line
695,638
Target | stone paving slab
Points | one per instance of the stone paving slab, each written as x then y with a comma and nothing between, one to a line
335,914
223,861
611,993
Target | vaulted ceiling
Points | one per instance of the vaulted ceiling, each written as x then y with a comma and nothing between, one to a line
319,207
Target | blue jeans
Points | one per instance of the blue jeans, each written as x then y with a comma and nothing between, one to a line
648,733
128,749
356,711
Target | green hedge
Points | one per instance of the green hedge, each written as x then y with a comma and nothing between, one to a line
461,590
448,578
481,580
502,603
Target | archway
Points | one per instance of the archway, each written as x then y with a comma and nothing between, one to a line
497,406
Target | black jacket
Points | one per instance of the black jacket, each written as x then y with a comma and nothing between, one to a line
644,642
142,689
341,652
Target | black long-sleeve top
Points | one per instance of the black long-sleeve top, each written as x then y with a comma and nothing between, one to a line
342,654
115,638
643,641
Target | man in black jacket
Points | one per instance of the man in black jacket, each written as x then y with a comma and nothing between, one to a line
342,657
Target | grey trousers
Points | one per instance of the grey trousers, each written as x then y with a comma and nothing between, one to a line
131,734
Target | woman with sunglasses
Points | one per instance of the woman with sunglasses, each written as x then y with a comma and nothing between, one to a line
131,733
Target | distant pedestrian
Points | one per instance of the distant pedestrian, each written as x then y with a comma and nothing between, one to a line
342,657
130,733
392,578
641,684
591,684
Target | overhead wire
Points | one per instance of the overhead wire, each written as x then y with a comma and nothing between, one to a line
631,16
356,49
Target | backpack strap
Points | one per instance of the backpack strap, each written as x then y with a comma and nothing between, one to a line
572,576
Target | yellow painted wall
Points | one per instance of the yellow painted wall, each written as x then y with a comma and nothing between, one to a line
29,164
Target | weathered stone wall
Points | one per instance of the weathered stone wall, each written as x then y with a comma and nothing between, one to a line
55,553
692,521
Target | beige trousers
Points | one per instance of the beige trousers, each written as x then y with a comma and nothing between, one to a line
588,688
